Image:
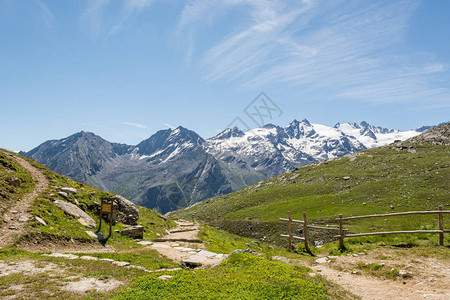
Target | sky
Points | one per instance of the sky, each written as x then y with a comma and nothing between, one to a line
126,69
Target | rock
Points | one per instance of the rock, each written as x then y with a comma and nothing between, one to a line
402,273
127,212
68,190
206,254
175,245
76,212
121,263
134,231
165,277
14,212
281,258
16,182
322,260
318,244
106,259
23,219
12,227
63,194
88,257
145,243
95,235
69,256
312,274
40,221
346,177
193,262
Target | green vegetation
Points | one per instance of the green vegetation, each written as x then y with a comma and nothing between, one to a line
401,177
49,283
242,276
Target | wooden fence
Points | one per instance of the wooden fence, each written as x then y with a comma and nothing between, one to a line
342,231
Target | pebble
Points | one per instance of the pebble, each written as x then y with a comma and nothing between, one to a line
165,277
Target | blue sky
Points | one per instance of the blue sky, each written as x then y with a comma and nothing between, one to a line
126,69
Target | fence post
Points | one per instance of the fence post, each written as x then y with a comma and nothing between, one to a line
441,227
305,231
289,230
341,233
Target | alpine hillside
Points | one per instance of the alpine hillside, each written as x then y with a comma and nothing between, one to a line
402,176
176,168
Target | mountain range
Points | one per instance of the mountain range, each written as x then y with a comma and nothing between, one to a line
175,168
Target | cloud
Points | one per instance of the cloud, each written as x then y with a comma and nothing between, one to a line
331,49
92,16
170,126
46,15
130,7
137,125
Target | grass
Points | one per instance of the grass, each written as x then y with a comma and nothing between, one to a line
242,276
47,285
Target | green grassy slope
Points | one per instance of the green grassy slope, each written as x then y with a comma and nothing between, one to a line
413,175
61,228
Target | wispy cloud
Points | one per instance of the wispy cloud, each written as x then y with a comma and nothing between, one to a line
46,14
93,16
350,50
137,125
168,125
91,19
131,7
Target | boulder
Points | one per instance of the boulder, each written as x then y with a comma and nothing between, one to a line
68,190
63,194
76,212
136,232
126,211
40,221
16,182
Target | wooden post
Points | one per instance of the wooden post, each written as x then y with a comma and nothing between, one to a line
341,233
111,216
289,230
441,227
305,231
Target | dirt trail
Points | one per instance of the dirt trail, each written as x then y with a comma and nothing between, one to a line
18,215
182,245
428,278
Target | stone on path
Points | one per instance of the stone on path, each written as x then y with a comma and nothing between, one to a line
322,260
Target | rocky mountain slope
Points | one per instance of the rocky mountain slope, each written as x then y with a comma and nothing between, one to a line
176,168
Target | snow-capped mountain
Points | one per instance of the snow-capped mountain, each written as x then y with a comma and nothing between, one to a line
176,168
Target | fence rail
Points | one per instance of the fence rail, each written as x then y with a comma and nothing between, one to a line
342,231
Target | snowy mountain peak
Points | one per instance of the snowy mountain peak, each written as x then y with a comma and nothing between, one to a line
229,133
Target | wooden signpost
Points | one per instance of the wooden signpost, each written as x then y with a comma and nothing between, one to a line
106,207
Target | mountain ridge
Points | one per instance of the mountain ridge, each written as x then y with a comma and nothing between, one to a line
175,168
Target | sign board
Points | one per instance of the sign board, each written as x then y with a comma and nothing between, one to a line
106,207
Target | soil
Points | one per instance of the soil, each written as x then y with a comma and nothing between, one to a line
426,277
15,225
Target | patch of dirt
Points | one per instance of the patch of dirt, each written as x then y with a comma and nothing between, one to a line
27,267
84,284
423,277
18,215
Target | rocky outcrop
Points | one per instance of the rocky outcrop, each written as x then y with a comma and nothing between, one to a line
75,212
135,232
126,211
